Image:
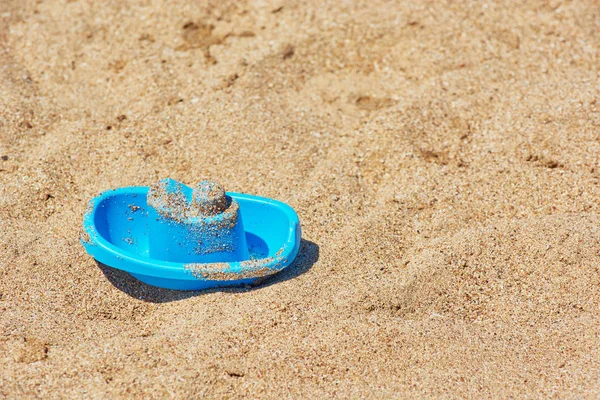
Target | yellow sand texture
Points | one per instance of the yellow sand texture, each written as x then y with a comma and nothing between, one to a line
443,157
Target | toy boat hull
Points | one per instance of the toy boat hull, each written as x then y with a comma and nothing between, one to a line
116,227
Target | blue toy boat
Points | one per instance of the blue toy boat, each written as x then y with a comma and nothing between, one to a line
175,237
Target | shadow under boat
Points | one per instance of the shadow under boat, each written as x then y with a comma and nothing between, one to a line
307,256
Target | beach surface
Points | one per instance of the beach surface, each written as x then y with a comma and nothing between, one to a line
443,157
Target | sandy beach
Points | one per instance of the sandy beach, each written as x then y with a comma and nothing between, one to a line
443,158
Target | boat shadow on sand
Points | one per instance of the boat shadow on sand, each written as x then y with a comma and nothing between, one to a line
307,257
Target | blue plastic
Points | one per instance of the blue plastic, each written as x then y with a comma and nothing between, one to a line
199,225
119,230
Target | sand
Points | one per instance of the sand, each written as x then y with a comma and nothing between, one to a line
443,157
